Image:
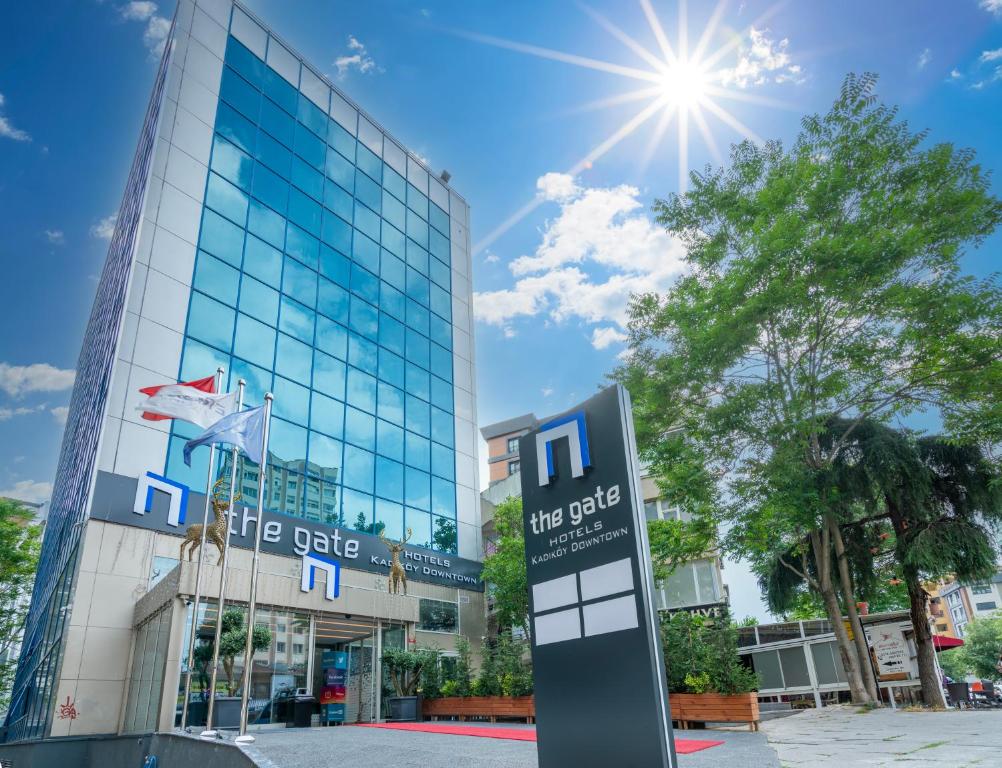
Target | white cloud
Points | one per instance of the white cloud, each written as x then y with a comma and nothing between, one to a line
28,490
599,250
607,336
7,129
157,27
55,236
6,414
992,6
59,413
556,186
761,59
923,59
955,74
546,391
491,258
991,55
138,10
357,58
105,228
509,332
17,380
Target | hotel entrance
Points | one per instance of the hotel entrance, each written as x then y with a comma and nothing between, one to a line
331,657
346,666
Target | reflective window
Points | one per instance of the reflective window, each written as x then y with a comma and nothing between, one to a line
389,479
389,440
417,485
210,321
328,284
216,279
254,341
221,238
359,466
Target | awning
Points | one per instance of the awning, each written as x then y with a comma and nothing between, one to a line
943,643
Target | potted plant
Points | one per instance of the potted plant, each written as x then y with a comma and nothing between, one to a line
405,669
232,641
503,688
706,680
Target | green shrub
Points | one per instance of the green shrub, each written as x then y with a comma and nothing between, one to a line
701,655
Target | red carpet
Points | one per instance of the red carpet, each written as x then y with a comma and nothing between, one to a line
682,746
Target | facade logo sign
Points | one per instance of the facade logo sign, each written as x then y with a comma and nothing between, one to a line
571,426
178,493
606,604
314,563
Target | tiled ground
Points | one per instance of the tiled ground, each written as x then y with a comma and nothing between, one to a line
843,736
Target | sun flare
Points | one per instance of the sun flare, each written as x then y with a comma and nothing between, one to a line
679,87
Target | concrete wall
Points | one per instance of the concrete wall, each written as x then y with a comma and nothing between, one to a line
111,599
111,752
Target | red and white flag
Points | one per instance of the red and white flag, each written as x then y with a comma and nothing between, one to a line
193,401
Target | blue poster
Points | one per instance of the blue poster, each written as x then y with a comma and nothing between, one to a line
335,713
340,660
335,676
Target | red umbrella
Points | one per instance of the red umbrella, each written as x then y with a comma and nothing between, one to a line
943,643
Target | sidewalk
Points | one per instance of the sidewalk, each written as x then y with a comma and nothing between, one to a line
847,736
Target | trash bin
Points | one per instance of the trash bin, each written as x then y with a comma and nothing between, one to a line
302,711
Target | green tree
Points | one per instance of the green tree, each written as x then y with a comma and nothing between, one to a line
822,279
406,668
981,653
676,542
232,642
943,503
20,545
504,569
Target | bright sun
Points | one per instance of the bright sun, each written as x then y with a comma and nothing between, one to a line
684,85
678,86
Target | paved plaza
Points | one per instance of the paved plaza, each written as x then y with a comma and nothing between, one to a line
848,736
351,747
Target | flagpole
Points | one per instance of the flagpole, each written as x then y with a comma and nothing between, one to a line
252,607
198,571
234,456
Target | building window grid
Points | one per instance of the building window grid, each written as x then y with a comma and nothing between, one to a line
445,437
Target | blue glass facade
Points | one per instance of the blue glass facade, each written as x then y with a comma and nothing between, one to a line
323,275
29,715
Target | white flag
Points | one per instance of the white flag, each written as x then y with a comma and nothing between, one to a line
179,401
244,430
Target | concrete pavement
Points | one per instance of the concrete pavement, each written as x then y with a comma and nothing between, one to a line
348,747
834,737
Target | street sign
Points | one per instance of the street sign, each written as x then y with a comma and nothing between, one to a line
600,687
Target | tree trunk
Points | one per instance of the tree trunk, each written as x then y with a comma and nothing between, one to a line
932,686
850,662
849,597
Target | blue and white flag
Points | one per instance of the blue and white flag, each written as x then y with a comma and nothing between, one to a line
244,429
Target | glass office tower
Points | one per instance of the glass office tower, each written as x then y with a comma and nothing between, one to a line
272,228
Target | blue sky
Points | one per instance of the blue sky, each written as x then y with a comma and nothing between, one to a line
521,130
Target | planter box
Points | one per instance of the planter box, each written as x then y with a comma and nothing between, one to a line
226,712
689,708
403,708
490,707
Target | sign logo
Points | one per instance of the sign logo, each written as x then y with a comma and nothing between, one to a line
178,493
571,426
597,612
313,563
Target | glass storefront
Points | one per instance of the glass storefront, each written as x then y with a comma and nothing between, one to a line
291,664
277,671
